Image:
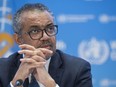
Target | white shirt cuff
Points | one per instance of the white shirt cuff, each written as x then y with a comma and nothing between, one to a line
11,84
57,85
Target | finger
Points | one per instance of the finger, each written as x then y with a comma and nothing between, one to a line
40,53
32,63
26,52
30,60
39,64
46,52
27,60
26,46
38,58
29,53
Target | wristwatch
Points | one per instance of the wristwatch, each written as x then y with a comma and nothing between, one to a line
19,82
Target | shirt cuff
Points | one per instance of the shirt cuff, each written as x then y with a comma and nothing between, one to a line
11,84
57,85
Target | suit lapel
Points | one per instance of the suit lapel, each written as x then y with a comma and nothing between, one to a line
56,68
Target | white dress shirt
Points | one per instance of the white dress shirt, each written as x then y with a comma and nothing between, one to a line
46,66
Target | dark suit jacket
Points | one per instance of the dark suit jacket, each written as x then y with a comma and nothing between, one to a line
66,70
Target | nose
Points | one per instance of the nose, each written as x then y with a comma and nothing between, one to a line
45,36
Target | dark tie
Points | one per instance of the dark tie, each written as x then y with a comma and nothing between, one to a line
33,82
26,82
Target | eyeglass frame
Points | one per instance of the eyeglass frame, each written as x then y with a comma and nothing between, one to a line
55,26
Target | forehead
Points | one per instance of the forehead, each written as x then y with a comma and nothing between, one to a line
35,17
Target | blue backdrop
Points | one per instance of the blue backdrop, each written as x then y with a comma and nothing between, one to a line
87,28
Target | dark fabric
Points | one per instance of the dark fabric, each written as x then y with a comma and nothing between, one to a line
26,82
66,70
33,82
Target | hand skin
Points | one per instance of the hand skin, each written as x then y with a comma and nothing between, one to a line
43,76
34,62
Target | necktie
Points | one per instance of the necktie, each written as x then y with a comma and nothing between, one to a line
26,82
33,82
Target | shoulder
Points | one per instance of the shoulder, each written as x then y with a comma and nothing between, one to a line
7,59
6,62
75,68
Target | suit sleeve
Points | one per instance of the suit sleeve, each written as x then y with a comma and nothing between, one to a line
84,79
9,85
0,84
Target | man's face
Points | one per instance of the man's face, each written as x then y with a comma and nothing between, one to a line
41,20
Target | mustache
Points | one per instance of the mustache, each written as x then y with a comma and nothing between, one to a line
45,43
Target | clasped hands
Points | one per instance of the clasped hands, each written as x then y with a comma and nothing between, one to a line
33,62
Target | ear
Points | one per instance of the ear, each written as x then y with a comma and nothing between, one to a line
18,39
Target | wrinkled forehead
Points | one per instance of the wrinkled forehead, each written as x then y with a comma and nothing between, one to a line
36,18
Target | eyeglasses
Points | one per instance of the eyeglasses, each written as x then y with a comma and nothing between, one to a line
36,33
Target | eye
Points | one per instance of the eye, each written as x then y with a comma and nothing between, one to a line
50,29
34,30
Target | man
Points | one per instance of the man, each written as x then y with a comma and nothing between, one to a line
38,63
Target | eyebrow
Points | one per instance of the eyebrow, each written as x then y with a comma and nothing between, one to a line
49,24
